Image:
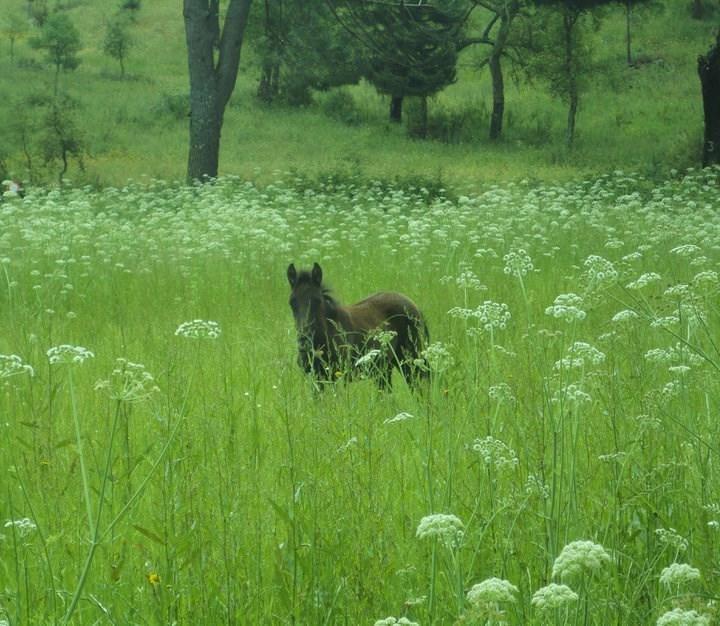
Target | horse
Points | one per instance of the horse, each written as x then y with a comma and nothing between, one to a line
384,331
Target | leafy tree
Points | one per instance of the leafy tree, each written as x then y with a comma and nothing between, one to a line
631,6
61,42
563,56
118,41
211,81
38,11
497,36
61,139
15,28
412,50
302,47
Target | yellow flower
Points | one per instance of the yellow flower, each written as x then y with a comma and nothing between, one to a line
153,578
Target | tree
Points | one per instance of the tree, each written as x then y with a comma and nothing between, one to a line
630,5
211,81
61,42
15,28
118,41
412,51
564,56
709,72
302,47
502,12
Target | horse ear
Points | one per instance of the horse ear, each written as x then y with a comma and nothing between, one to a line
317,274
292,274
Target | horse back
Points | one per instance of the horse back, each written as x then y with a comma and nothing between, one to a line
387,309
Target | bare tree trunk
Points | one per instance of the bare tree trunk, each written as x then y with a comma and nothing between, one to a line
211,82
628,7
509,11
396,103
709,71
698,9
569,20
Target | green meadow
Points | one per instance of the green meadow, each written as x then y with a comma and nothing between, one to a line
165,461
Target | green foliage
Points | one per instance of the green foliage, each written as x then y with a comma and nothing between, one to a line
15,26
413,49
339,104
118,41
60,40
300,48
39,11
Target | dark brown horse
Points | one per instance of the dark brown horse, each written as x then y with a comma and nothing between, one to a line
383,331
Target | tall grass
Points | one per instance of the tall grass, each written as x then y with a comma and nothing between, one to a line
568,436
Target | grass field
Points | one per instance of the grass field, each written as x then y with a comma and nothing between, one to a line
568,436
646,119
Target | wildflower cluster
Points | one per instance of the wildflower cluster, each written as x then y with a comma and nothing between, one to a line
447,528
567,307
496,453
518,263
580,558
552,597
128,382
199,329
12,365
67,354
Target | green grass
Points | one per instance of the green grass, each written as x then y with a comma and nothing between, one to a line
234,494
647,119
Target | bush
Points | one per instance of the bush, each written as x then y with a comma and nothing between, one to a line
340,105
173,105
466,124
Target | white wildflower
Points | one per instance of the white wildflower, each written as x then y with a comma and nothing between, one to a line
626,315
12,365
490,592
66,353
553,596
199,329
400,417
567,307
446,527
681,617
678,574
495,452
580,558
22,526
644,280
128,382
518,263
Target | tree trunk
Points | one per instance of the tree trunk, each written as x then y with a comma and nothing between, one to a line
396,103
709,71
269,85
569,20
628,7
211,82
698,9
498,84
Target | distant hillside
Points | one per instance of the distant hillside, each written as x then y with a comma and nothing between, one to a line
647,117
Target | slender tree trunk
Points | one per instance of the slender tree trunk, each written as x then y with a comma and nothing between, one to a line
423,117
709,71
509,11
269,85
698,9
211,82
628,7
396,104
569,20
